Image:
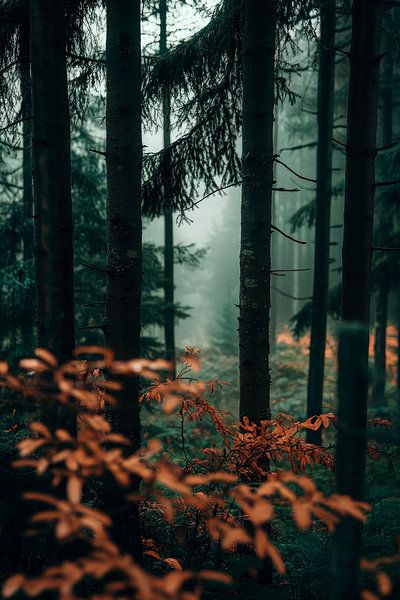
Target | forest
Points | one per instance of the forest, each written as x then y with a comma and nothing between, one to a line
200,299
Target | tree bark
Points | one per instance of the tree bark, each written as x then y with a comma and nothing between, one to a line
382,295
360,164
169,317
27,325
350,455
274,315
124,235
326,87
257,176
51,176
356,277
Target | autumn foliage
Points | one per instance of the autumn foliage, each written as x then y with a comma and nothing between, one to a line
234,490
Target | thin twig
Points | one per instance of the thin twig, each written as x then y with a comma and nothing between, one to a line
387,147
93,267
286,235
340,143
300,147
100,326
384,183
98,151
288,270
100,302
289,295
221,189
12,64
294,172
381,249
14,123
86,58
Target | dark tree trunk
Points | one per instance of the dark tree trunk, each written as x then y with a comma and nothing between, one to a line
274,318
51,172
124,234
169,317
360,163
257,175
27,324
326,85
382,295
356,277
350,455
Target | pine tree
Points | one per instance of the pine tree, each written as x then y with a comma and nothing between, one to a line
326,83
382,291
169,318
27,325
362,113
124,231
257,178
52,187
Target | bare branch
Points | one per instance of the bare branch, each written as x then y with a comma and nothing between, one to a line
289,295
94,267
292,171
286,235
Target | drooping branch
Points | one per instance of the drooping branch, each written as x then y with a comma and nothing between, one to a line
286,235
280,162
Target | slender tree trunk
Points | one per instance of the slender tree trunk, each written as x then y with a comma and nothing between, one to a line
27,325
257,175
382,295
326,87
274,243
124,234
51,172
169,317
356,276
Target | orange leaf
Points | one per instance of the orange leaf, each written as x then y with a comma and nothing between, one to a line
32,364
215,576
175,564
384,583
13,584
301,515
367,595
74,489
46,357
276,558
153,554
3,368
260,543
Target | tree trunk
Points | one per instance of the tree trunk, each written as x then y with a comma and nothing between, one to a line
27,325
124,235
382,296
274,318
356,277
350,455
257,176
169,317
52,187
326,86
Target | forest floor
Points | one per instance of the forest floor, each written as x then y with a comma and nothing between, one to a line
306,555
